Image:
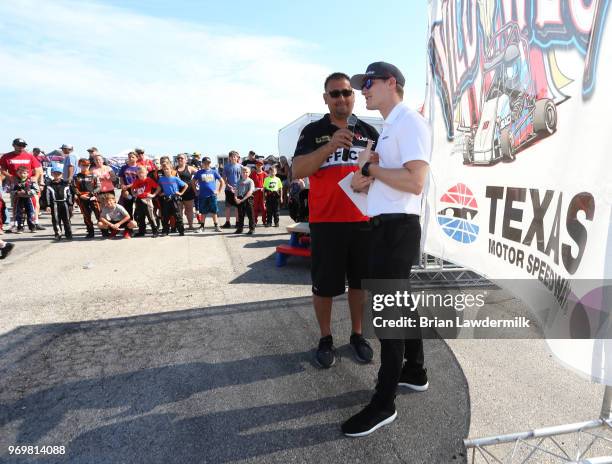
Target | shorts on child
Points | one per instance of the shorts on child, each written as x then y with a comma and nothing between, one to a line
208,205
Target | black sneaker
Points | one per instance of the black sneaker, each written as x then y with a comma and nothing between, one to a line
361,348
276,225
326,353
33,229
415,379
367,421
58,237
250,232
4,252
238,231
39,227
90,235
267,225
227,225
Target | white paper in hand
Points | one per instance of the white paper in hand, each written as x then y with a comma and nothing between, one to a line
359,199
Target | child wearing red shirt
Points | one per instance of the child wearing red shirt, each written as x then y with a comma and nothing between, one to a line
259,205
145,189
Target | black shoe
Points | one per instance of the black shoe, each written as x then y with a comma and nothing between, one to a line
367,421
362,349
250,232
277,225
155,234
90,235
39,227
227,225
69,237
415,379
238,231
58,237
33,229
4,252
326,353
139,234
267,225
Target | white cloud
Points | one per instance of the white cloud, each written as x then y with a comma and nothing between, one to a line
89,61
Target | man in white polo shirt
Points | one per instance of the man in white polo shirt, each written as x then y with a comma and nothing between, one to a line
394,178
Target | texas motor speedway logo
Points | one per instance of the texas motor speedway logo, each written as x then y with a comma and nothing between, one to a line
457,214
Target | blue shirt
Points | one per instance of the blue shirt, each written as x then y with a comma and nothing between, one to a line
170,185
207,181
70,160
128,173
232,173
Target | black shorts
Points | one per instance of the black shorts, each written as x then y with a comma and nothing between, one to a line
230,198
339,253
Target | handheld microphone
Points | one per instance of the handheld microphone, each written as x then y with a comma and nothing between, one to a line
352,122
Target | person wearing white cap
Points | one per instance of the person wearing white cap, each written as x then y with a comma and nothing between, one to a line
393,178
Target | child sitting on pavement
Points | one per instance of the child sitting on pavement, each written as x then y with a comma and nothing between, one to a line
114,217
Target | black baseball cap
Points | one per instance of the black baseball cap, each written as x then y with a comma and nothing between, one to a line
206,159
20,142
379,69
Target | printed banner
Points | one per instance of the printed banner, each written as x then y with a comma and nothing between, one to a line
519,96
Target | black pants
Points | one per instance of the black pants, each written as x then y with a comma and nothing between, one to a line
128,204
170,208
245,208
89,207
394,245
272,206
60,217
144,212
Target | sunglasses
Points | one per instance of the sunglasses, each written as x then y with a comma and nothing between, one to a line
369,82
344,92
20,145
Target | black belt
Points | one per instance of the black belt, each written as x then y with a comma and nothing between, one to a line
377,220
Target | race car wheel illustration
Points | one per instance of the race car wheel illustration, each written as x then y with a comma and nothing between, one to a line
545,117
468,149
506,146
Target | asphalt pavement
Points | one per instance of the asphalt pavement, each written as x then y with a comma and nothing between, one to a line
198,349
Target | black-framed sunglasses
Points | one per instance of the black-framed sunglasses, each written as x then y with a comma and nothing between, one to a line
21,145
369,82
344,92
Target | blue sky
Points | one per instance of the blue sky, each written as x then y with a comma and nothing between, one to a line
189,75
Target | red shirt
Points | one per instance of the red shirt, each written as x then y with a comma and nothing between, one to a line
258,178
142,187
11,161
327,202
147,163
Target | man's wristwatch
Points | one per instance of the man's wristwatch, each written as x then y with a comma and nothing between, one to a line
365,170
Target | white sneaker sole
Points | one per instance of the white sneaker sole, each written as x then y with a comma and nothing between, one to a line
419,388
375,428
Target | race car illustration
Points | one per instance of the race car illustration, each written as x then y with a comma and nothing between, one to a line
512,115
